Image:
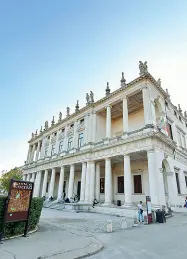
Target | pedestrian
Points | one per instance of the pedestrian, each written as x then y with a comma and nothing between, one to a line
140,212
185,203
164,213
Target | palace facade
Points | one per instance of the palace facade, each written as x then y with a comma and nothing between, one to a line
128,145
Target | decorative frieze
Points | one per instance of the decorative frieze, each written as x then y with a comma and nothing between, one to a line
61,135
80,127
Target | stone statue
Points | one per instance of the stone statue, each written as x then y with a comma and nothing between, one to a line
36,134
32,135
168,95
123,81
46,125
91,97
185,114
60,116
159,82
107,89
41,129
87,99
77,106
67,111
179,108
143,68
53,121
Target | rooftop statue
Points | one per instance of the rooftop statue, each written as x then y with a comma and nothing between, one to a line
143,68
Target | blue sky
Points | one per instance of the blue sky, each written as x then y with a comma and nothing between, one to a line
53,52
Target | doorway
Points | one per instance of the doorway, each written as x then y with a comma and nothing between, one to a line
79,189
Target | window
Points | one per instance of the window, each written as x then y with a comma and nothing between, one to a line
48,137
137,184
82,121
170,131
175,113
178,183
71,126
63,130
81,140
180,118
46,151
186,180
55,134
53,150
186,125
60,147
102,185
121,184
70,143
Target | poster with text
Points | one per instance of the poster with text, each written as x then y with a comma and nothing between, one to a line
19,198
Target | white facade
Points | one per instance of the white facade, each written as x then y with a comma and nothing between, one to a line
117,148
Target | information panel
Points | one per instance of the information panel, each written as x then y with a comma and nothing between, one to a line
19,200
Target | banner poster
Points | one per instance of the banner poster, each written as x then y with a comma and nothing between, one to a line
19,200
149,209
163,125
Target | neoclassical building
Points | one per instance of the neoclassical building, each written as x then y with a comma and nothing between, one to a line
128,145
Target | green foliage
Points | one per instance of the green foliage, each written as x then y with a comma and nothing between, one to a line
17,228
5,178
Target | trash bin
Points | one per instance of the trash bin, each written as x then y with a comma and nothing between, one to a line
159,216
118,202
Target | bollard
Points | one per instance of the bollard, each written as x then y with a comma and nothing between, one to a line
124,223
109,226
135,222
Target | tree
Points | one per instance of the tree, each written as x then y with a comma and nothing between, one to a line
6,177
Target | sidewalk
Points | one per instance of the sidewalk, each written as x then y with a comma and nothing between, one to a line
50,242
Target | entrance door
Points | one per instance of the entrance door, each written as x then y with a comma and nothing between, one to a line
79,189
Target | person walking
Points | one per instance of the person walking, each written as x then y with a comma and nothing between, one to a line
185,203
140,212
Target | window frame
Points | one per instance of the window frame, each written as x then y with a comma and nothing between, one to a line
81,139
70,146
60,148
102,182
46,153
177,178
53,147
134,191
122,190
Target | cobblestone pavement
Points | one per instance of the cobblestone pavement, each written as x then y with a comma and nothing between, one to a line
68,235
155,241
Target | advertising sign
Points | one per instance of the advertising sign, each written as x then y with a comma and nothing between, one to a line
149,209
19,200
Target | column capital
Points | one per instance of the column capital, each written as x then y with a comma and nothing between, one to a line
125,97
108,106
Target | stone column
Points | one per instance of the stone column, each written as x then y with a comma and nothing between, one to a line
125,116
44,183
148,118
108,121
37,151
87,188
61,184
97,182
24,177
52,183
57,143
32,179
29,154
90,128
83,182
37,184
127,181
32,153
94,123
65,144
71,181
151,155
86,123
75,136
92,182
108,182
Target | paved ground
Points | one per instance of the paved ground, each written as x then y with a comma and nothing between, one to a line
68,235
156,241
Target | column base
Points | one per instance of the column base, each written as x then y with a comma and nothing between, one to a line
107,204
127,205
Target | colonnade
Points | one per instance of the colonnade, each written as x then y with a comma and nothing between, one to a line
90,181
